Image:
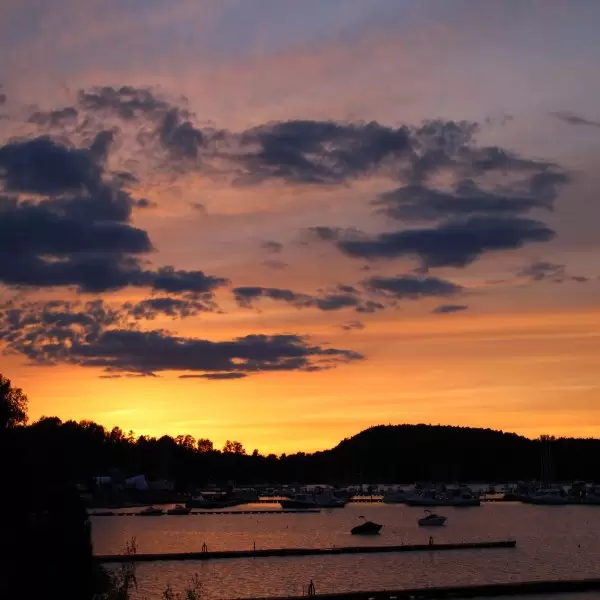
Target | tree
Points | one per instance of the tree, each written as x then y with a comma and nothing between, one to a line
233,448
205,445
13,405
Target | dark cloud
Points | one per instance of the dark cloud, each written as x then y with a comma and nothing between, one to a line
176,308
171,124
177,281
454,243
305,151
352,325
274,264
272,246
54,118
548,271
179,136
573,119
215,376
411,287
450,308
127,102
93,335
3,98
341,297
43,166
78,232
418,203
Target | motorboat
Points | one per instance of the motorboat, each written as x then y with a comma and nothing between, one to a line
300,501
366,528
327,499
179,509
212,501
323,499
150,511
431,520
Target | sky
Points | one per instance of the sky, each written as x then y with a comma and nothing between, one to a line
284,221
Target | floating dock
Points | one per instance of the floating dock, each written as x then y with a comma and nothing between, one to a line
525,588
215,511
269,552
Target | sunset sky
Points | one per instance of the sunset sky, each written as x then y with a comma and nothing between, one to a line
283,221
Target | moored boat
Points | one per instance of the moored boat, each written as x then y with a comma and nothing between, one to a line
431,520
366,528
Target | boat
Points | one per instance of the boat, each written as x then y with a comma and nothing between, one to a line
324,499
299,501
366,528
150,511
431,520
460,497
212,501
179,509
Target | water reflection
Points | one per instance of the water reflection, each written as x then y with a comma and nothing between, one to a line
553,542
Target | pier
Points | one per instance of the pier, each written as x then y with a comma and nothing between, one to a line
215,511
270,552
497,590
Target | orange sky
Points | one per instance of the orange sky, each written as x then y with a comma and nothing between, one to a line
522,357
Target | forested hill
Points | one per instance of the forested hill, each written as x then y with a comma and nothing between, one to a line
407,453
385,453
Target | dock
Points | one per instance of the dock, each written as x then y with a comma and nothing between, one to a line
497,590
216,511
270,552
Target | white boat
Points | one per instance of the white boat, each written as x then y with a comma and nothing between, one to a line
431,520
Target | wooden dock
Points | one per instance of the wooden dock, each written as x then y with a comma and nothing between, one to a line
215,511
270,552
524,588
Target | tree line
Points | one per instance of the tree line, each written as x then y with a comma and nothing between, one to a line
381,454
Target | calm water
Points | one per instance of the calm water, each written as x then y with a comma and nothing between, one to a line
552,542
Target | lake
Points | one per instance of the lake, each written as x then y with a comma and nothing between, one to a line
553,542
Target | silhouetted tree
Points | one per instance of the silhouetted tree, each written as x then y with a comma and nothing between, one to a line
13,404
233,447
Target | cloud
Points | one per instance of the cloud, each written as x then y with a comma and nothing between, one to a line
176,308
76,230
352,325
419,203
573,119
3,98
55,118
548,271
454,243
170,124
272,246
340,298
127,102
304,151
449,308
215,376
411,287
43,166
93,335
